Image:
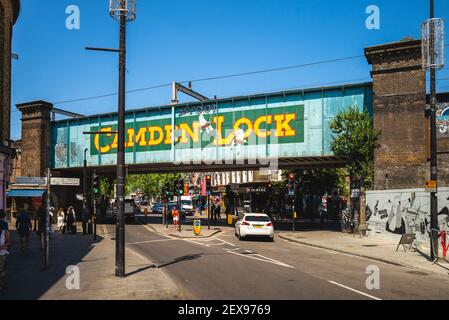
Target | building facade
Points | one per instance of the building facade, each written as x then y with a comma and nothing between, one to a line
9,12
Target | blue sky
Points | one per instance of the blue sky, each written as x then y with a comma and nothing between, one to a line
193,39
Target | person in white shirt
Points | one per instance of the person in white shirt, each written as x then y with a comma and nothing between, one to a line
4,244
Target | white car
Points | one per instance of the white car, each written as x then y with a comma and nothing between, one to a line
254,224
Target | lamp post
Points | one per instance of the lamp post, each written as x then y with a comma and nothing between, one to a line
433,59
123,11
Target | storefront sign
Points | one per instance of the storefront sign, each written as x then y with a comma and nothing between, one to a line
30,181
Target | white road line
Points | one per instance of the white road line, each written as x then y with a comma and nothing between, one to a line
356,291
278,263
228,243
195,242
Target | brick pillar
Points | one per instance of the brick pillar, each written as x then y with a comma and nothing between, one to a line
35,138
399,86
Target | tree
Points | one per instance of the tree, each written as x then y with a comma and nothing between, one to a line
356,138
150,184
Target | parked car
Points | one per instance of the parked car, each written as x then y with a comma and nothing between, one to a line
157,208
254,224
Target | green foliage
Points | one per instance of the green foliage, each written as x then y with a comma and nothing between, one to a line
150,184
356,139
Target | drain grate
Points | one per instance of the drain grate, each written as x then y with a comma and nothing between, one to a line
370,245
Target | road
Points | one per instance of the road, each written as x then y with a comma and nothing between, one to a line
226,269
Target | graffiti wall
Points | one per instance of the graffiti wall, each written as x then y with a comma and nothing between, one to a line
395,212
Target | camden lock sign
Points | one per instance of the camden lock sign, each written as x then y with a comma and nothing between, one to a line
279,125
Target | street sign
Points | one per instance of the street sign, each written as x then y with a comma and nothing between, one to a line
31,181
71,182
431,186
79,197
355,193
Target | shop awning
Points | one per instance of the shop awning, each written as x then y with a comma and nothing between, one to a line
26,193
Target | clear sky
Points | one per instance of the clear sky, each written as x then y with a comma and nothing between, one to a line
194,39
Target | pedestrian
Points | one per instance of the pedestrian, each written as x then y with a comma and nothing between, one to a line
71,220
218,211
176,221
42,224
61,220
4,248
24,227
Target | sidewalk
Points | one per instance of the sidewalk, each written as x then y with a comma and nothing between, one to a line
379,249
187,232
27,280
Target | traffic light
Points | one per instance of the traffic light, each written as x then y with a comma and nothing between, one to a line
181,187
186,188
270,188
291,186
209,184
167,190
96,184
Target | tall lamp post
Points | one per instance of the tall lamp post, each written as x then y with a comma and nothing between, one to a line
123,11
433,59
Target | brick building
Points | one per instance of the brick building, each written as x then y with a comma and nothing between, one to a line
9,12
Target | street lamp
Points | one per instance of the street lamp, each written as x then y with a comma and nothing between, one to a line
123,11
433,59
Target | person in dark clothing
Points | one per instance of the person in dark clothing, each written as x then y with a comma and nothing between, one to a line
24,227
71,220
42,224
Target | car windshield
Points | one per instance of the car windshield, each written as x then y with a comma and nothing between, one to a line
186,202
257,218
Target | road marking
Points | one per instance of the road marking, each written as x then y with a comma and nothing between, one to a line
272,261
151,241
354,290
155,231
228,243
196,242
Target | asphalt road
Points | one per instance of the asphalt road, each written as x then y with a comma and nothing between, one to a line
226,269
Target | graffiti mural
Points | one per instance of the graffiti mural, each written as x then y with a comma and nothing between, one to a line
396,212
443,120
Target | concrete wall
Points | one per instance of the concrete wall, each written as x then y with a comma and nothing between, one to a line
395,212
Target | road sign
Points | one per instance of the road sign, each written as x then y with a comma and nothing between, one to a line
31,181
431,186
72,182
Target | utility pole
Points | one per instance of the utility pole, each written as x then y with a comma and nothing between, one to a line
433,141
47,223
433,59
85,190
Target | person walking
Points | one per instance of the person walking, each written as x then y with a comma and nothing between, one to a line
71,220
42,224
218,211
176,220
24,227
61,220
4,248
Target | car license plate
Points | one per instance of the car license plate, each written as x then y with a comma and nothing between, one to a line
258,227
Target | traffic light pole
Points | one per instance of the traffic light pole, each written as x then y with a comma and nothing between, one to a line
293,215
94,213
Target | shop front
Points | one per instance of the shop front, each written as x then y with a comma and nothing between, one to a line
29,200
